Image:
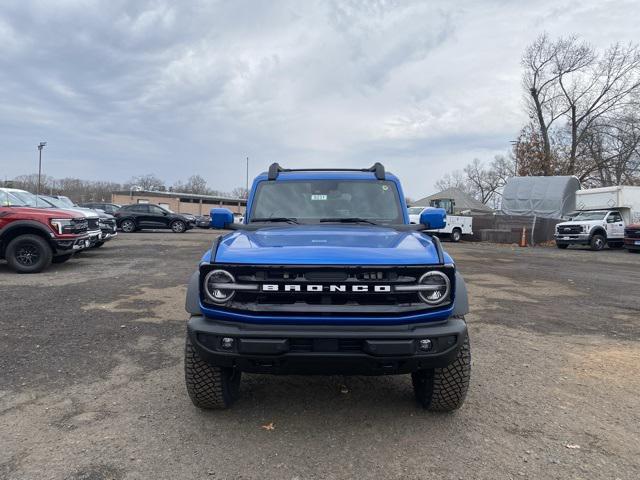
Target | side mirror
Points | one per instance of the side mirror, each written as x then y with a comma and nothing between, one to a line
434,218
221,218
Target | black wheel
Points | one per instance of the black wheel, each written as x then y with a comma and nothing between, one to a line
62,258
178,226
28,254
598,242
456,235
444,389
209,387
128,226
562,246
98,244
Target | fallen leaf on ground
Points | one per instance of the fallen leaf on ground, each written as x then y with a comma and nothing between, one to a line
269,426
573,446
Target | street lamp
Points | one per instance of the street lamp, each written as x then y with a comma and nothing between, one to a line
40,147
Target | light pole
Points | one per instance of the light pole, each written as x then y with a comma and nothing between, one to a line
40,147
247,178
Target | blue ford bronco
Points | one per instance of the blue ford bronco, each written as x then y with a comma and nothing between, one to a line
327,276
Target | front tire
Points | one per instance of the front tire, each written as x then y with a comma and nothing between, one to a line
28,254
444,389
178,226
128,226
456,235
209,387
597,242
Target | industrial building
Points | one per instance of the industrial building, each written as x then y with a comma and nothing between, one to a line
180,202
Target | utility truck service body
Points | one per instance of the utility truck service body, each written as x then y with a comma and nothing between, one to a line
457,225
603,213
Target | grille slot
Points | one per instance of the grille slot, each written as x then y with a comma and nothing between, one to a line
569,230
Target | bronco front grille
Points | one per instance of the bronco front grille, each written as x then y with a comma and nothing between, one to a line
350,290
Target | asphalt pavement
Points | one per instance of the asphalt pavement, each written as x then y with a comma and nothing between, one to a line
92,387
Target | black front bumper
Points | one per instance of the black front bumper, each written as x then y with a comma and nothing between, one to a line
315,349
70,245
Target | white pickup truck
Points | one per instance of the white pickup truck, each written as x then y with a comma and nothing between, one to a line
457,225
602,216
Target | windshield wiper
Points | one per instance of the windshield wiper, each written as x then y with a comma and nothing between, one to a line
275,219
347,220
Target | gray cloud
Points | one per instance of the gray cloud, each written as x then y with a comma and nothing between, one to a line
120,88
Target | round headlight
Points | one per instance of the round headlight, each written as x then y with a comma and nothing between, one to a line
438,290
212,286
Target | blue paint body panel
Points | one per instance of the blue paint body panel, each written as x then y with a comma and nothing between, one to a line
422,317
327,245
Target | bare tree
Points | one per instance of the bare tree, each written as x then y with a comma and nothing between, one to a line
455,179
545,62
145,182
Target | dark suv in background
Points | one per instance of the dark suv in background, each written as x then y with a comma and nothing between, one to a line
149,216
109,208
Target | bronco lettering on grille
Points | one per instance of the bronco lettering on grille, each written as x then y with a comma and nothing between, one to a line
273,287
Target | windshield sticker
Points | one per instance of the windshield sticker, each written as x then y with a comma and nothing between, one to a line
385,187
318,197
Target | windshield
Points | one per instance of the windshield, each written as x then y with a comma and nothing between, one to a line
56,202
312,201
29,199
63,202
599,215
10,200
415,210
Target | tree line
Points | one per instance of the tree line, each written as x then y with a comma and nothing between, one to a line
583,110
80,190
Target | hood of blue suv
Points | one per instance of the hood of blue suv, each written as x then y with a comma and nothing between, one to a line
328,245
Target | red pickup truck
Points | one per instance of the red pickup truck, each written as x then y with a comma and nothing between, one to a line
33,238
632,238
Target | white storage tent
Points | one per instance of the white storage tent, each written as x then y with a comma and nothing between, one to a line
551,197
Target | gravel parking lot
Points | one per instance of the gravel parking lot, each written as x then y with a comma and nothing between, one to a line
92,383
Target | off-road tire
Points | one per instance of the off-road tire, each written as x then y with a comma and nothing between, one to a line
456,235
562,246
444,389
62,258
128,226
178,226
17,254
209,387
597,242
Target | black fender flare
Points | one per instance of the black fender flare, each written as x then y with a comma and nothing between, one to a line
46,233
598,231
461,302
192,303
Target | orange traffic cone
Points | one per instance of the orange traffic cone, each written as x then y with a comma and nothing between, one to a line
523,237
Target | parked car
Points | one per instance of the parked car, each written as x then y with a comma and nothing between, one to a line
109,208
327,276
632,238
141,216
106,223
31,238
603,214
203,221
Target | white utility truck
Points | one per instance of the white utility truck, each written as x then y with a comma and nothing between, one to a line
457,225
602,214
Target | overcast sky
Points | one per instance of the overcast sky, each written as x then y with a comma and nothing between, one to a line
120,88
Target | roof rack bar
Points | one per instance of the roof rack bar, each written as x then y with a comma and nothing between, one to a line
378,169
